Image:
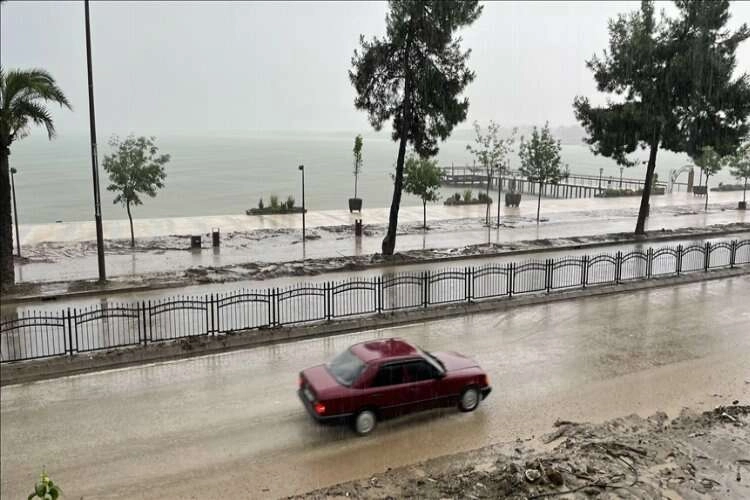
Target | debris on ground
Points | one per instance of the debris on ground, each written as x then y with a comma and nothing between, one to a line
694,456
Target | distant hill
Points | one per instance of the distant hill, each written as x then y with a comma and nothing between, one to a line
568,135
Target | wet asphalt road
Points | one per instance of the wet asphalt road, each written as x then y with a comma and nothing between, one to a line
230,425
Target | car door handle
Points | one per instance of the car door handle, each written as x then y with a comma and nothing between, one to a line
377,395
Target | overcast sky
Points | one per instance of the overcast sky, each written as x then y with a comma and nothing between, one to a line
203,67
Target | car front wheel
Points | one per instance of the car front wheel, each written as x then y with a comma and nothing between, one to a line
469,399
364,422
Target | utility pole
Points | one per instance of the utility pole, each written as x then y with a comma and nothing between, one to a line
94,154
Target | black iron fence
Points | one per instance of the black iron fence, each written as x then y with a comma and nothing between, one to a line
70,331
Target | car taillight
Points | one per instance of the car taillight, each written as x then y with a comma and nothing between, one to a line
301,382
486,380
320,408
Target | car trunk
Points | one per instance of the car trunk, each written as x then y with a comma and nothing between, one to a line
319,380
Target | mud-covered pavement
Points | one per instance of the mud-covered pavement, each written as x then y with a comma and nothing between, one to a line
695,455
56,260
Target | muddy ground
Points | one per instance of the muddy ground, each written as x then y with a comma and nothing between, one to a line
694,456
316,266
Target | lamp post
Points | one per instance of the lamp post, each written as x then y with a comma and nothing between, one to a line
499,191
94,154
302,169
15,209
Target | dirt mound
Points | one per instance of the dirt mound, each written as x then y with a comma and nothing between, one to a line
693,456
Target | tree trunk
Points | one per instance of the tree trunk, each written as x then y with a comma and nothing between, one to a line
424,214
7,273
705,207
130,217
355,184
389,242
640,226
744,192
539,201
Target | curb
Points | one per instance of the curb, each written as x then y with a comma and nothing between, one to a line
508,253
29,371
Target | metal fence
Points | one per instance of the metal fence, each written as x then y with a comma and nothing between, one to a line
67,332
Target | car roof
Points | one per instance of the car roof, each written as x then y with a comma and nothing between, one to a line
381,350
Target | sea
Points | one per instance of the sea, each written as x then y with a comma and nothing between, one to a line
225,174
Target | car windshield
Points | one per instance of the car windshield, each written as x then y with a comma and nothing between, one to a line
346,367
433,360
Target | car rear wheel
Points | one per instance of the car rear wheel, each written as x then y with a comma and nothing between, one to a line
364,422
469,399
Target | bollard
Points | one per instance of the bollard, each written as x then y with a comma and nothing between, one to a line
358,227
195,241
215,236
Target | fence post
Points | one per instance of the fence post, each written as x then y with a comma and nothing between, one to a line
149,332
209,313
679,260
468,282
548,270
425,288
707,257
618,268
733,251
380,294
142,322
511,279
584,271
274,307
70,332
649,262
327,299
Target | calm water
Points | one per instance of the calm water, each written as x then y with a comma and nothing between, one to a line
226,175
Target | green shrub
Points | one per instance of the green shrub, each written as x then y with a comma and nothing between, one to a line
290,202
45,488
260,204
274,201
467,195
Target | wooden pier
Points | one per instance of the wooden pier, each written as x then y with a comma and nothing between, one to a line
573,186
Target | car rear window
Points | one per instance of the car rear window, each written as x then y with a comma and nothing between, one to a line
346,367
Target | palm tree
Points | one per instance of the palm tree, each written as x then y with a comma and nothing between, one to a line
23,98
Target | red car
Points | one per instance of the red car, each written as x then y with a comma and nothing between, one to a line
386,378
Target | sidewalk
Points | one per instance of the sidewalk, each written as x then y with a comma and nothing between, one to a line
32,234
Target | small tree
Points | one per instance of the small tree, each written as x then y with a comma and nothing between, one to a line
540,160
135,168
491,152
422,178
357,160
739,164
710,162
415,75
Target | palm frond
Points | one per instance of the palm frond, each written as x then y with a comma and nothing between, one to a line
36,113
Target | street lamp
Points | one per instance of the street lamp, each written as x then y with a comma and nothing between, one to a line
302,169
499,191
94,153
15,208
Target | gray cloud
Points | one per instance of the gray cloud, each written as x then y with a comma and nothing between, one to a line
203,67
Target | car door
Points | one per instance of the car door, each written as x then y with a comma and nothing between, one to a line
387,390
422,380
